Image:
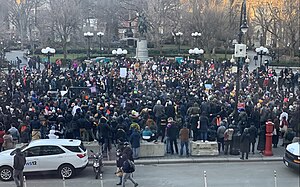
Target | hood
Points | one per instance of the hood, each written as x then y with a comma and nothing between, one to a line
294,148
7,152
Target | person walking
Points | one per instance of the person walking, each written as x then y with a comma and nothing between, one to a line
245,143
128,168
19,163
184,140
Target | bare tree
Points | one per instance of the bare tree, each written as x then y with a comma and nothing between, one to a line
19,16
65,17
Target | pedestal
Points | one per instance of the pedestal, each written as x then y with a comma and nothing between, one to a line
204,148
142,50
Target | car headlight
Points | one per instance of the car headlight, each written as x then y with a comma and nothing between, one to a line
298,157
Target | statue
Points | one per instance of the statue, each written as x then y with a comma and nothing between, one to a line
142,25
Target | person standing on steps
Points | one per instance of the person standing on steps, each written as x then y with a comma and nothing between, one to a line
19,163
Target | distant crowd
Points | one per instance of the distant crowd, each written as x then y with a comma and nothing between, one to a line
160,101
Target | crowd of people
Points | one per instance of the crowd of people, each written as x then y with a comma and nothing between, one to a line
160,101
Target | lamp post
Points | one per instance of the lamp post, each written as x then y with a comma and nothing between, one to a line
2,53
48,52
242,30
178,36
261,51
100,35
196,35
88,35
119,53
196,52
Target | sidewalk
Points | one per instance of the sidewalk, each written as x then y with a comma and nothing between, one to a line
278,154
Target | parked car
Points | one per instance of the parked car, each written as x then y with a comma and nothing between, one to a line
292,156
64,156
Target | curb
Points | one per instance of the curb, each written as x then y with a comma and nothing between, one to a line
193,160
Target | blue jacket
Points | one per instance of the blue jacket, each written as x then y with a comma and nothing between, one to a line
134,139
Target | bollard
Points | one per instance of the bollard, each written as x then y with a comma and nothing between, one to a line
275,179
205,181
24,181
101,180
64,182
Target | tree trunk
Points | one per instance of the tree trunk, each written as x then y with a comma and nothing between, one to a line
65,51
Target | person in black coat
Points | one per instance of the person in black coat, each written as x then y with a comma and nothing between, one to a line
245,143
253,135
203,126
172,133
261,139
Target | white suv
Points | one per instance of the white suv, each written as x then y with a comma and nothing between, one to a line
62,155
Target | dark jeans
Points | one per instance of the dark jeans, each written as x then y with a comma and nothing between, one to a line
186,145
195,135
203,136
163,132
106,146
252,145
1,146
220,144
227,145
18,178
243,153
173,141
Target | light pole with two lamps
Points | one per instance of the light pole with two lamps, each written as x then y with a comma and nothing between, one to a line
88,35
100,35
119,53
196,52
261,51
48,52
178,36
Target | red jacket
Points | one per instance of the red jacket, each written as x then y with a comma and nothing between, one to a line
1,136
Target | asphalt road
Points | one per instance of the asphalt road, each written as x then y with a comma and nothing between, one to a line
248,174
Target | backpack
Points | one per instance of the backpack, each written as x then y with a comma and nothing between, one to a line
290,136
131,168
23,128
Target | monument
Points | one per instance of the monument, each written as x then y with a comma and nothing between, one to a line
142,49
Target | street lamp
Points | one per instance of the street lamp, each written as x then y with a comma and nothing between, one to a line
88,35
178,36
119,52
196,35
261,51
196,52
48,52
242,31
100,35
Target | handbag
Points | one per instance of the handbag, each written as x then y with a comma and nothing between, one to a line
274,132
119,172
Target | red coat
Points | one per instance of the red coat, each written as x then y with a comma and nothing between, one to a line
1,136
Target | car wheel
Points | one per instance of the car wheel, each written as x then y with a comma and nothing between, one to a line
66,171
6,173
